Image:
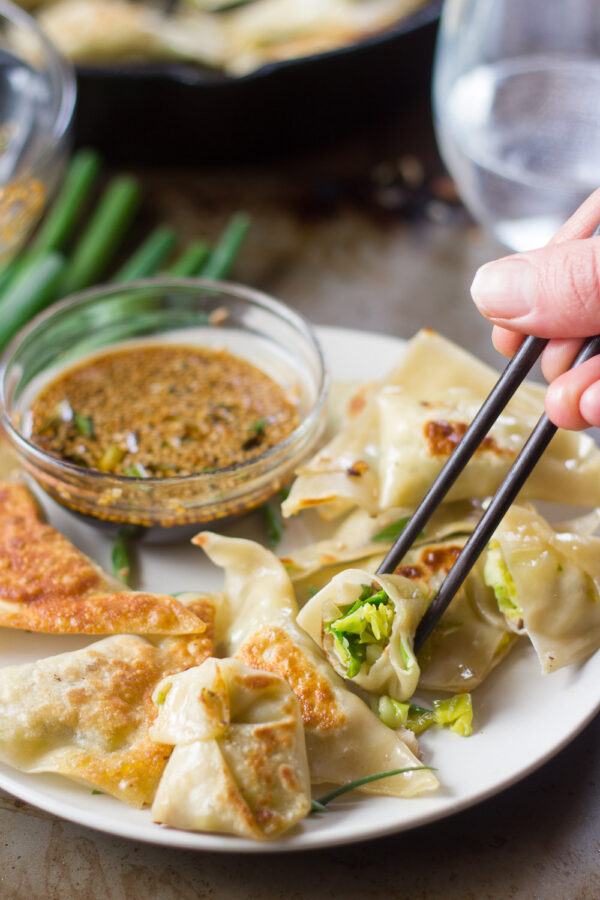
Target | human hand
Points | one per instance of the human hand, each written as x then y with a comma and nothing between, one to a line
553,292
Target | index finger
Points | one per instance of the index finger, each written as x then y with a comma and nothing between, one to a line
581,223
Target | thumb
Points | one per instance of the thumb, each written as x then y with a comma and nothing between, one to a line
550,292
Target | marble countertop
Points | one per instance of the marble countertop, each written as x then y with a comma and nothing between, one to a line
364,234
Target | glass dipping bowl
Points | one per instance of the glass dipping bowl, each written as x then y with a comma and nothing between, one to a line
198,312
37,99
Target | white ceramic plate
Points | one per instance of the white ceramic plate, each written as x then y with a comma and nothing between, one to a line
521,717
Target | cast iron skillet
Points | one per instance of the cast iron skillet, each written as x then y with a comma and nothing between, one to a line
175,113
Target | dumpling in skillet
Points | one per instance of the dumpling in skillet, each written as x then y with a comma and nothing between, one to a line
269,30
104,31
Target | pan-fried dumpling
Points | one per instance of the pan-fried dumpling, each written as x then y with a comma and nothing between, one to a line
547,584
87,714
269,30
390,454
239,763
113,30
366,626
47,585
361,536
344,739
472,637
469,641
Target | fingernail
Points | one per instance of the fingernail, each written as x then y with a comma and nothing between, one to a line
505,288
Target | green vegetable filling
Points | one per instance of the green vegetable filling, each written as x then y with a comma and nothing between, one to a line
455,713
497,575
362,630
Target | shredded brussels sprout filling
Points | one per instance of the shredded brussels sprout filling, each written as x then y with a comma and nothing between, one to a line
497,576
455,713
362,630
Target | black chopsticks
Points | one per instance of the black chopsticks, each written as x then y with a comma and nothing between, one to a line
542,434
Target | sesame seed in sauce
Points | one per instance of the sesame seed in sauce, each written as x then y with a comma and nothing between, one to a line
162,410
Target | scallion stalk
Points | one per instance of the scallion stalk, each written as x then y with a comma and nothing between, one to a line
227,247
320,804
31,292
102,234
149,256
61,218
272,523
191,260
121,554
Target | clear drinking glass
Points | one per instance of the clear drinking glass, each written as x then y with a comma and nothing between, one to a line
517,110
37,97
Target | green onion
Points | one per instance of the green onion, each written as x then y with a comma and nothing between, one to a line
392,713
191,260
33,290
6,275
391,531
102,234
223,256
111,458
137,470
321,803
57,224
367,621
272,523
84,425
148,258
121,562
420,718
456,712
258,426
60,219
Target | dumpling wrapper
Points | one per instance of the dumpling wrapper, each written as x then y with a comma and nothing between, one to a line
344,739
86,714
469,641
557,580
269,30
472,636
47,585
396,671
390,454
239,764
353,543
360,536
111,30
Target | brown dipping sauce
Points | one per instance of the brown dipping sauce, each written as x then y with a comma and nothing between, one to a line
161,410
